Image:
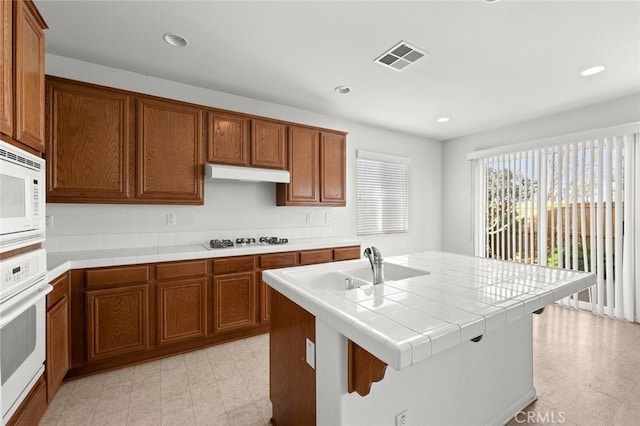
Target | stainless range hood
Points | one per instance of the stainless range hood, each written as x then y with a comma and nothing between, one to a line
247,174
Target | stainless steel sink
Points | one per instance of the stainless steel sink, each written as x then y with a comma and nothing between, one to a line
358,276
392,272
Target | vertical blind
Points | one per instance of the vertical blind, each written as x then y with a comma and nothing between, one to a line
571,204
383,193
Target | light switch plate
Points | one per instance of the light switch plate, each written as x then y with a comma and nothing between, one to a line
311,354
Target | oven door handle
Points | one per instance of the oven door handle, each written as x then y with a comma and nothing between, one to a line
14,312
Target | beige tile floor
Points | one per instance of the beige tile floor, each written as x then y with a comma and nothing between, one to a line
586,372
221,385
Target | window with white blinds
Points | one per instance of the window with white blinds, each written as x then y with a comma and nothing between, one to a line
569,204
383,193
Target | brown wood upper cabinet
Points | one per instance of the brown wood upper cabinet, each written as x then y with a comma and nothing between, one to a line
22,85
317,163
111,146
268,144
304,163
228,139
169,152
88,143
242,141
6,68
333,168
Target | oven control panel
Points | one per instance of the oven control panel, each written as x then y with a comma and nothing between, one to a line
19,271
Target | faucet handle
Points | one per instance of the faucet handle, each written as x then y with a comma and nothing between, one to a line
376,253
367,252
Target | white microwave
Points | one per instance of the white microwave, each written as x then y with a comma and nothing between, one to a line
22,193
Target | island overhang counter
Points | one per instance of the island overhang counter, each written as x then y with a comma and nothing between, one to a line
456,331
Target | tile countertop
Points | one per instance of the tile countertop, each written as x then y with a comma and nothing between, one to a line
407,321
60,262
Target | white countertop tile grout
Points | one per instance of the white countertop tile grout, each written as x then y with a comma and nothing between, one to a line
465,297
60,262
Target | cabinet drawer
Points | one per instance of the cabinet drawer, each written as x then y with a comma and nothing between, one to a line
346,253
60,290
279,260
182,269
107,277
231,265
310,257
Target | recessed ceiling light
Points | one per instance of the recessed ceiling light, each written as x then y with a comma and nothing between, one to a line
491,1
592,71
175,40
442,119
343,90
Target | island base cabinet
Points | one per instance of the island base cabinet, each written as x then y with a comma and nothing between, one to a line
292,381
471,383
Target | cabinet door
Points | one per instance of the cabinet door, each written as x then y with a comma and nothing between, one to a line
268,144
117,321
6,67
88,143
234,300
272,261
265,300
29,74
302,153
182,310
228,139
332,169
57,363
169,153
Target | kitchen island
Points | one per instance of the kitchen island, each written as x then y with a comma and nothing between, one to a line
455,330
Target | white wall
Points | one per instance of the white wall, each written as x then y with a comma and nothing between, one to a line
456,207
245,207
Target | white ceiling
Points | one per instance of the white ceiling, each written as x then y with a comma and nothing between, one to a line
490,65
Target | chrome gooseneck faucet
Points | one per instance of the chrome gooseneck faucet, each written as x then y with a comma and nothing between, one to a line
377,265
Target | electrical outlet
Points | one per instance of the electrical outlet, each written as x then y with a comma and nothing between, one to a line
327,217
309,217
311,354
171,219
401,418
49,221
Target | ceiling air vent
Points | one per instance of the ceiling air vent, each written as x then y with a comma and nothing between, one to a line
400,56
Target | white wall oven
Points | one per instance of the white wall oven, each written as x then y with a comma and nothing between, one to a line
22,198
23,307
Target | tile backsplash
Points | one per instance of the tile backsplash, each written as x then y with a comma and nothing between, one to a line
61,243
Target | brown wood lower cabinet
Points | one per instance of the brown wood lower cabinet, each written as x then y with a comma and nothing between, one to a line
310,257
346,253
128,314
182,310
117,321
57,363
234,302
58,343
272,261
